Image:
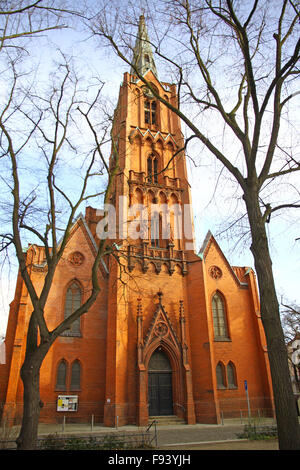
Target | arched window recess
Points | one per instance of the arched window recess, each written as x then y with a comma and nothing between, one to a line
231,375
220,373
150,111
75,376
73,301
226,377
152,169
61,376
219,318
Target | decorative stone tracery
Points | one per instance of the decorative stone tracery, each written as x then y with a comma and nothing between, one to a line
76,258
146,254
161,334
215,272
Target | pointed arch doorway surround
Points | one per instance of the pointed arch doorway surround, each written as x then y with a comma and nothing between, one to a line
160,393
178,385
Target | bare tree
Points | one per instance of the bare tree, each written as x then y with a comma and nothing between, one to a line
236,63
20,22
291,326
290,320
23,19
39,131
57,123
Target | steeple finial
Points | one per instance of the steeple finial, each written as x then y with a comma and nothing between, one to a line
142,54
160,294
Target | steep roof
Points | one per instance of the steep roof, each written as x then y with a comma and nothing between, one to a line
142,54
237,272
78,222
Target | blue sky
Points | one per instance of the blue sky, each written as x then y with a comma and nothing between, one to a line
211,209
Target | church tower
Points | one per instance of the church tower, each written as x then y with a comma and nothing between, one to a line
155,233
168,312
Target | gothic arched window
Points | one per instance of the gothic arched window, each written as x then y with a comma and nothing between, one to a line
231,375
61,375
219,317
150,109
152,169
75,375
220,372
72,303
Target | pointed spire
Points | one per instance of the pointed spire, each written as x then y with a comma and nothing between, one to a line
142,55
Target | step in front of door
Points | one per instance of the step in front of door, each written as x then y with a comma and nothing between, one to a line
166,420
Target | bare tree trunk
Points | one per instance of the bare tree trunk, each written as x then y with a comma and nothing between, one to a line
286,412
30,375
27,439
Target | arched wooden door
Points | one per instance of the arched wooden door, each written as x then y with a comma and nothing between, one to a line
160,395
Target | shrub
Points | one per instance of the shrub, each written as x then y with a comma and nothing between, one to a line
104,442
253,432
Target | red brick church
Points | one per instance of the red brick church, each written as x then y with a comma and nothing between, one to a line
172,332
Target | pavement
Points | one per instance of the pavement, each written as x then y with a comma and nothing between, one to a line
168,436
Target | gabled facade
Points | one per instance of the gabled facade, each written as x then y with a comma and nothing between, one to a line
172,332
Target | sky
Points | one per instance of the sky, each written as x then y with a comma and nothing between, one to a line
211,208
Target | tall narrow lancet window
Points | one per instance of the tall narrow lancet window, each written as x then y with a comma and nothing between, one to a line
153,112
72,303
149,169
231,375
75,375
150,112
61,376
152,169
147,112
220,372
219,317
155,169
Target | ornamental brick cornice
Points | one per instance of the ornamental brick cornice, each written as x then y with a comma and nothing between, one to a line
147,254
154,136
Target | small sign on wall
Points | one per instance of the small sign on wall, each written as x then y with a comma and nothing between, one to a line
67,402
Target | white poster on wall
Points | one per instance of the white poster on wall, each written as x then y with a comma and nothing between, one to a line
67,402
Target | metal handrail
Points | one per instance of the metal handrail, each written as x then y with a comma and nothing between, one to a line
155,432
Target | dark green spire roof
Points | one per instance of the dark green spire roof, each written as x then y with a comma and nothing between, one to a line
142,54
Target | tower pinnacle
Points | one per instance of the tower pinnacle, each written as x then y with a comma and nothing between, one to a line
142,54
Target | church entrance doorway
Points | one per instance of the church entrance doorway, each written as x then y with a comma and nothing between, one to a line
160,393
